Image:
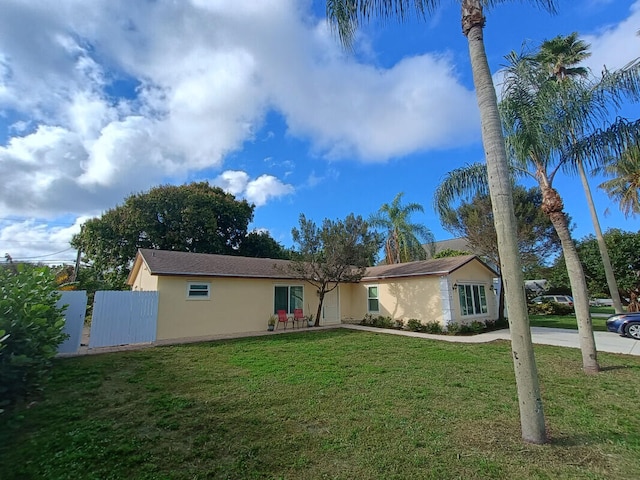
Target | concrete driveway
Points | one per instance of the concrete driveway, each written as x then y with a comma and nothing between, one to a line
605,341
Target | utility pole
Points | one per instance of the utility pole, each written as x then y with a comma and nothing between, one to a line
78,257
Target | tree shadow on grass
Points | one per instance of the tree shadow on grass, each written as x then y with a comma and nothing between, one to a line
612,368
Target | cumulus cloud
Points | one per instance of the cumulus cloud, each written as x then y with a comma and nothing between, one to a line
615,45
33,240
257,191
266,187
201,76
105,98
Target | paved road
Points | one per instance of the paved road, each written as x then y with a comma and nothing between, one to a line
605,341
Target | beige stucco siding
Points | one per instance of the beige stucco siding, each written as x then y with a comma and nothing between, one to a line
401,298
144,281
348,310
422,297
235,305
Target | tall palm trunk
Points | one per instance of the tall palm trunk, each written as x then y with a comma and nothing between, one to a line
529,397
604,252
553,207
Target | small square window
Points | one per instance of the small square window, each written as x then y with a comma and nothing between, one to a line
201,291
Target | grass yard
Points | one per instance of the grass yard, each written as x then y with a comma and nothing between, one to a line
565,321
333,404
607,310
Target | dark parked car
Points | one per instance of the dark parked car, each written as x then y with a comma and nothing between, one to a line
625,324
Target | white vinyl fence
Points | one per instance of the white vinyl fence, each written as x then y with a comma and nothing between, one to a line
122,318
76,302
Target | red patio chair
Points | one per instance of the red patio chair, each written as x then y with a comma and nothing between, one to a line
298,316
282,318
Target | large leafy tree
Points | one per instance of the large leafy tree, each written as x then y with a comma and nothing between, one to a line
624,247
193,218
337,252
346,16
261,244
473,220
403,239
624,187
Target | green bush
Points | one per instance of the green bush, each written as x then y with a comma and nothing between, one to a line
432,327
549,308
399,323
378,322
491,325
367,320
30,330
383,322
453,328
414,325
477,327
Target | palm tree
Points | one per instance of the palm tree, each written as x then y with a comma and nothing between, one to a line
624,187
345,16
532,117
551,121
403,238
560,56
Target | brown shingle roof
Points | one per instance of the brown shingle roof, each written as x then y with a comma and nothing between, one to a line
438,266
166,262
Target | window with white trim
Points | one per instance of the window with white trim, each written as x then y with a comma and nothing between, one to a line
473,299
287,298
373,303
198,290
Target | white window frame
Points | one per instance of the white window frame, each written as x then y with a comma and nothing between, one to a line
290,308
376,298
477,310
191,290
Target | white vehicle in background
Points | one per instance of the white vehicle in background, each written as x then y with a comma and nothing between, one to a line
563,299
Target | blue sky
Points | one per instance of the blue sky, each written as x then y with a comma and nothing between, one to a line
105,98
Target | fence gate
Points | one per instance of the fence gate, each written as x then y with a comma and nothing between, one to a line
76,303
122,318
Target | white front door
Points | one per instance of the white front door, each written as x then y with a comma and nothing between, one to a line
330,309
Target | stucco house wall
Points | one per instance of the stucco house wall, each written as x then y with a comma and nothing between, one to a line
405,298
241,292
143,280
234,305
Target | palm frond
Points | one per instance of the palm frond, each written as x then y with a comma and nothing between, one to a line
461,183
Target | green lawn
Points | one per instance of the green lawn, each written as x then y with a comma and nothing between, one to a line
607,310
334,404
565,321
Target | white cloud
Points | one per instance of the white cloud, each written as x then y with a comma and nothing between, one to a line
233,182
615,45
206,74
266,187
35,240
257,191
110,97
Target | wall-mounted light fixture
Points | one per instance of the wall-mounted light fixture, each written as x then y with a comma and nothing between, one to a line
455,286
492,288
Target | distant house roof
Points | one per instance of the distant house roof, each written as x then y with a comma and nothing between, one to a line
172,263
459,244
438,266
